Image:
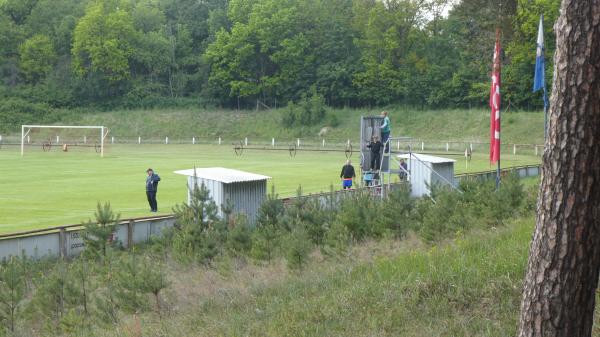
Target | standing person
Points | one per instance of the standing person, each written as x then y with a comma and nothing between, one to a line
375,145
385,130
347,175
151,188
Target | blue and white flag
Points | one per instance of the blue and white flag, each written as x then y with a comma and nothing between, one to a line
539,81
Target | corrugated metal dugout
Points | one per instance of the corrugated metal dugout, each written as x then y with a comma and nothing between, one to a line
245,190
426,171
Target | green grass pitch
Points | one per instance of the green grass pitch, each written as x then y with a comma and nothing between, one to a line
54,188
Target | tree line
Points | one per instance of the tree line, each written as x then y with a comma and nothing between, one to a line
267,53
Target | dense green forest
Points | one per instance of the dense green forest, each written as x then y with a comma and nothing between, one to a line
265,53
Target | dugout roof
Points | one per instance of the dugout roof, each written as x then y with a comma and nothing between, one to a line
223,175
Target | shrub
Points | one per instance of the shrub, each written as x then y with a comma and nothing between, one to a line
309,110
361,215
16,111
97,236
310,214
55,295
239,240
397,210
444,217
297,248
270,211
12,290
265,240
200,233
337,240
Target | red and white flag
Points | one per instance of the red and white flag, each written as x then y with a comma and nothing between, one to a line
495,105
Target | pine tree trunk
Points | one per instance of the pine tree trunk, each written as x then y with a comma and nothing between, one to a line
562,273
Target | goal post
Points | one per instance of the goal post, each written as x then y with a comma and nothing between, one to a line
102,131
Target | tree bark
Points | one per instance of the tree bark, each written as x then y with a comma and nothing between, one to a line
562,273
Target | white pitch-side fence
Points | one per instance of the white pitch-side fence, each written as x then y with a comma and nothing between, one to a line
417,145
66,241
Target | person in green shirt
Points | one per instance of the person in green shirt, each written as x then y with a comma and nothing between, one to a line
385,130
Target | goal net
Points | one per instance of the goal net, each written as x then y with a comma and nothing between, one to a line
63,138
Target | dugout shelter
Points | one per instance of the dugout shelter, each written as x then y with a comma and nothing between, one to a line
245,190
426,171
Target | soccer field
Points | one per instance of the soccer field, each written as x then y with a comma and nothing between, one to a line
54,188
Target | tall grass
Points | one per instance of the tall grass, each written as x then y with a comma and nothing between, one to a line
468,287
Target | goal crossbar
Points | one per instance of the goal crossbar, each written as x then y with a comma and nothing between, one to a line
25,129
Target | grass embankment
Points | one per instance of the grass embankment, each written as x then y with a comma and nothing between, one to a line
467,287
440,125
54,188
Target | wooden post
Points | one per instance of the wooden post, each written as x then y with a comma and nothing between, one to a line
130,234
62,243
139,140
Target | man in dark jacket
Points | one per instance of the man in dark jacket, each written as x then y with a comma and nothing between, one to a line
347,175
151,188
375,145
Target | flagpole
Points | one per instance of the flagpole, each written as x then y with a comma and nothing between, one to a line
498,63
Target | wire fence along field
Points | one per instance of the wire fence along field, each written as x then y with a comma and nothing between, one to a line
57,141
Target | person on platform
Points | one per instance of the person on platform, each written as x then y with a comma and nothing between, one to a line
375,145
347,175
151,188
385,130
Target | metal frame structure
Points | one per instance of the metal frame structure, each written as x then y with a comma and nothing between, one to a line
24,133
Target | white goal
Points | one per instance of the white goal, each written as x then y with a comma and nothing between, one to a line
63,137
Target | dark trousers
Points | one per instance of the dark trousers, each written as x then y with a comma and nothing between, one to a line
375,160
384,139
152,200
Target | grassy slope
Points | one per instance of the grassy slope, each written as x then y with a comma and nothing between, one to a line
452,125
470,287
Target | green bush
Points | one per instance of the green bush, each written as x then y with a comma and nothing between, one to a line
310,214
309,110
239,240
270,211
200,232
479,204
361,215
397,211
297,248
337,240
99,234
265,242
56,294
16,111
12,291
